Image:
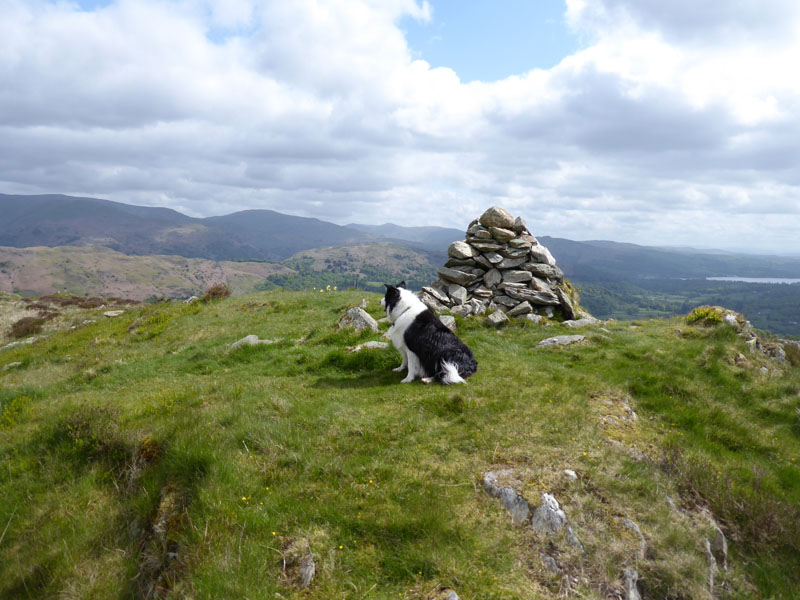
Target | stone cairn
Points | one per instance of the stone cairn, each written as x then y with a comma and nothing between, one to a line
500,269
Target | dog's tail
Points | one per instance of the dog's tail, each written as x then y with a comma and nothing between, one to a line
448,374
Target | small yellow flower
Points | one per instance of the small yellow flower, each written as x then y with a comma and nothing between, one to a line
334,288
584,453
244,499
273,533
340,547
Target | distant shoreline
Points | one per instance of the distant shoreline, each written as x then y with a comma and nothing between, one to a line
755,279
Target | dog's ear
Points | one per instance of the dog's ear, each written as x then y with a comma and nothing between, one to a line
402,284
388,286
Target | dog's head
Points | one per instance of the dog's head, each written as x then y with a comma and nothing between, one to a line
392,297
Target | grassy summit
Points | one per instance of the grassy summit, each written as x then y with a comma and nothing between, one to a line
141,458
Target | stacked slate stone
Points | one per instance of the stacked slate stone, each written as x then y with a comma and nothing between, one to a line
499,268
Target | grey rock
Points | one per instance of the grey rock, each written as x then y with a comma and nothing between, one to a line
497,217
517,276
486,246
113,313
483,262
533,296
548,517
719,547
566,304
358,319
544,271
253,340
461,250
580,323
630,580
24,342
437,294
464,310
540,285
478,307
562,340
448,321
492,278
635,529
511,285
458,294
482,292
549,562
191,300
571,474
308,569
493,258
499,484
509,252
520,243
531,317
458,276
497,318
520,309
510,263
459,262
573,540
549,312
12,365
431,302
542,255
712,566
502,235
504,300
368,346
519,225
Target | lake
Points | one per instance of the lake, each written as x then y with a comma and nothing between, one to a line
754,279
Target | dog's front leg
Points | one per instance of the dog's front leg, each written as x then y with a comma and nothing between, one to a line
414,368
404,364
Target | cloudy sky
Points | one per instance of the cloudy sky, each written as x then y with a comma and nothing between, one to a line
661,123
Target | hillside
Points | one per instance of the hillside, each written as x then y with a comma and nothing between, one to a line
56,220
144,458
100,271
366,267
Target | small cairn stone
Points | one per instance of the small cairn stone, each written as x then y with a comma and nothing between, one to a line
500,267
250,340
358,319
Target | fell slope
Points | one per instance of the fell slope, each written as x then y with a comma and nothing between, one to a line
143,458
101,271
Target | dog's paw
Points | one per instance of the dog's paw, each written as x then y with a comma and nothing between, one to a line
407,380
427,380
398,369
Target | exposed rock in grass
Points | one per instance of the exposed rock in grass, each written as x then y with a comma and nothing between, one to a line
368,346
444,593
630,583
497,318
12,365
113,313
250,340
571,474
581,323
562,340
358,319
448,321
500,484
548,517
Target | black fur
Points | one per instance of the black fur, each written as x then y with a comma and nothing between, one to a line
434,344
392,296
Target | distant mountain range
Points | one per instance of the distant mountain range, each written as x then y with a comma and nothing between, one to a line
265,235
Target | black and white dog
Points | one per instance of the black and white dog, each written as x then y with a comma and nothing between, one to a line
430,350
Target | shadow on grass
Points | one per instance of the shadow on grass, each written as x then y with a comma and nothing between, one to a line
365,380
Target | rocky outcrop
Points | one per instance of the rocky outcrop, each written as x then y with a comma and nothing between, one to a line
501,268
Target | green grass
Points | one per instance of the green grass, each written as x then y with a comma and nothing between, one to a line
142,459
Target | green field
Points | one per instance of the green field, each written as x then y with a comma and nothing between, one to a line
143,459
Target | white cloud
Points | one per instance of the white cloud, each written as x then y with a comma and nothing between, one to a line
670,116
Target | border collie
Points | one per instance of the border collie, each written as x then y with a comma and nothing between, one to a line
429,349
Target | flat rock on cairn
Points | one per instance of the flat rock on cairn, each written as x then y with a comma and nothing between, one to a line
500,268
